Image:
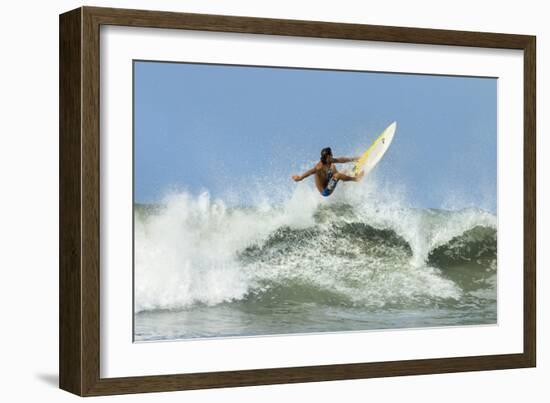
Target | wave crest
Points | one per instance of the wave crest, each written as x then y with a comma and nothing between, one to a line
340,251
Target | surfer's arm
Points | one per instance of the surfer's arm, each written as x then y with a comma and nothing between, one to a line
298,178
342,160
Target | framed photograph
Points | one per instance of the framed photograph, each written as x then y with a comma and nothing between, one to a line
249,201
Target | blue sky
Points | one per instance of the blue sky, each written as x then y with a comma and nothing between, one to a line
209,127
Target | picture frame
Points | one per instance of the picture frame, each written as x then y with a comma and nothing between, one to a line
80,200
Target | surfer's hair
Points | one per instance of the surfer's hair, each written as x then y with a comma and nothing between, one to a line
325,152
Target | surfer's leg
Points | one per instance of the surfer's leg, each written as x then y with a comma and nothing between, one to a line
346,178
331,185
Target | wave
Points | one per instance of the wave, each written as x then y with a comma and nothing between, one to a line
358,248
477,245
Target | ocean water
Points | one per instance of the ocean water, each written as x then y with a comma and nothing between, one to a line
360,260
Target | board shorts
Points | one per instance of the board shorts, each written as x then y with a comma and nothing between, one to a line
331,185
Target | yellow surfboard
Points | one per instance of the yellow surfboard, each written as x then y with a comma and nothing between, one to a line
375,152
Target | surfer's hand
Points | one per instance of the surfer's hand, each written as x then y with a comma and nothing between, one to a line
296,178
359,176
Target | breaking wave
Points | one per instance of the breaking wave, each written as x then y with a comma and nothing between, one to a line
357,248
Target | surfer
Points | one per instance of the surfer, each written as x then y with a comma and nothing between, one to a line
326,174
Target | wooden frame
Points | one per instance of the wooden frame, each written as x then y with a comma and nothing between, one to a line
79,201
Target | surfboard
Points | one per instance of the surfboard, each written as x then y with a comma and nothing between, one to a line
375,152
